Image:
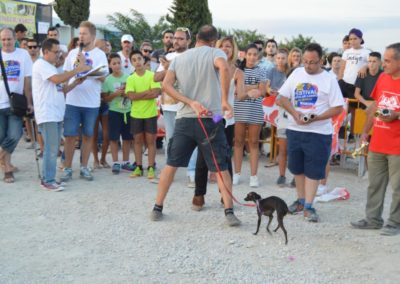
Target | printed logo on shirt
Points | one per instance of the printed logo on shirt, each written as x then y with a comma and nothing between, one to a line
88,61
305,95
354,58
13,70
388,100
60,88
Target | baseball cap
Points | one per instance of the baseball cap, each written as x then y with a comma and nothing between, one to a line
127,38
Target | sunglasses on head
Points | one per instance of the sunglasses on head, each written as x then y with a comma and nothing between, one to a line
186,30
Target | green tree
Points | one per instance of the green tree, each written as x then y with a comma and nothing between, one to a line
243,37
191,14
300,41
136,25
72,12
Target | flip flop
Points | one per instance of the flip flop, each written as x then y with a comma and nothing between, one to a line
105,165
8,177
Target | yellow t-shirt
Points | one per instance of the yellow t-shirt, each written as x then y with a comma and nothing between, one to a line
138,84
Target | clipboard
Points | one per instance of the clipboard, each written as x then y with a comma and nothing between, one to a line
94,72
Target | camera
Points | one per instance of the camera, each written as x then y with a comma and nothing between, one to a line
383,112
307,117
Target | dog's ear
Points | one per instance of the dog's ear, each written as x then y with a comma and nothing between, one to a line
256,196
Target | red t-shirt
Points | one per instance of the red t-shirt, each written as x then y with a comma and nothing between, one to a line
386,136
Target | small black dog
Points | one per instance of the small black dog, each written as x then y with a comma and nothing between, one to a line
267,207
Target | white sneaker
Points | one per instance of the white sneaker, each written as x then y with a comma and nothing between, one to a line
236,179
322,189
254,181
191,183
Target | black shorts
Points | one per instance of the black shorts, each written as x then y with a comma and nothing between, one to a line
119,124
188,134
144,125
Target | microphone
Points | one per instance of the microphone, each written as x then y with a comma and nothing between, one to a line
81,47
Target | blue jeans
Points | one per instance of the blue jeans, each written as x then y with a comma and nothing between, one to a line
169,121
51,133
10,130
191,169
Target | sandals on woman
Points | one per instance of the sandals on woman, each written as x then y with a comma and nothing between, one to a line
8,177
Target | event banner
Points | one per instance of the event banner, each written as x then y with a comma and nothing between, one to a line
15,12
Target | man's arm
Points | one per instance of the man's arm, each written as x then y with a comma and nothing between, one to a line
287,105
370,111
357,95
168,87
331,112
160,75
223,68
28,92
63,77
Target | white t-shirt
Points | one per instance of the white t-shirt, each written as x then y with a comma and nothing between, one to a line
86,94
355,59
313,94
48,100
18,65
126,64
169,107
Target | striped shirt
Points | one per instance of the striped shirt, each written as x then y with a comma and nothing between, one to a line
250,110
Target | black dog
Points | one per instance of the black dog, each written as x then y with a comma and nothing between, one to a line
267,207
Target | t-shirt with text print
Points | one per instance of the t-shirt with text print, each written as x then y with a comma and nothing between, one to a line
386,135
312,94
18,65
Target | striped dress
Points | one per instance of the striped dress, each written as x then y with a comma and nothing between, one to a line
250,111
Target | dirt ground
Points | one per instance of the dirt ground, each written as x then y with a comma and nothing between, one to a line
100,232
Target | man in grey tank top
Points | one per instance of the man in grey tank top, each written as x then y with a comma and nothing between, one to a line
202,74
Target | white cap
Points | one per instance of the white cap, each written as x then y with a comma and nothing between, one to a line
127,38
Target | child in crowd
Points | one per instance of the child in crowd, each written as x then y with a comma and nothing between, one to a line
113,92
143,91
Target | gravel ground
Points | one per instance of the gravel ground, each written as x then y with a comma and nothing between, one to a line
99,232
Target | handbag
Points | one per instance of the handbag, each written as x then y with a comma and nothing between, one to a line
18,102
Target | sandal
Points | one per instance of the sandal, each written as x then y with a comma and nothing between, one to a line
96,166
8,177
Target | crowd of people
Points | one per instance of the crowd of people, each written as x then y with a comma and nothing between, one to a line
211,101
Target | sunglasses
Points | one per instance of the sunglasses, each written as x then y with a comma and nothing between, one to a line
186,30
147,50
32,46
126,63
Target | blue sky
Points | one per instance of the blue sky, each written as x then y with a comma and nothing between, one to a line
327,21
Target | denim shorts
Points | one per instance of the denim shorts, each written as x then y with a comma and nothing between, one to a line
188,134
117,126
308,153
76,116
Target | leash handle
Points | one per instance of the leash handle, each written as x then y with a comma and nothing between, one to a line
218,169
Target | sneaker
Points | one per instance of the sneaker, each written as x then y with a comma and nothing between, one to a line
254,181
191,183
151,174
232,220
198,202
51,186
311,215
293,183
128,167
390,230
156,215
67,175
116,168
137,172
281,182
296,207
86,174
364,224
322,189
236,179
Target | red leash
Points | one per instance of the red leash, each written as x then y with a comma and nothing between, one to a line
218,169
